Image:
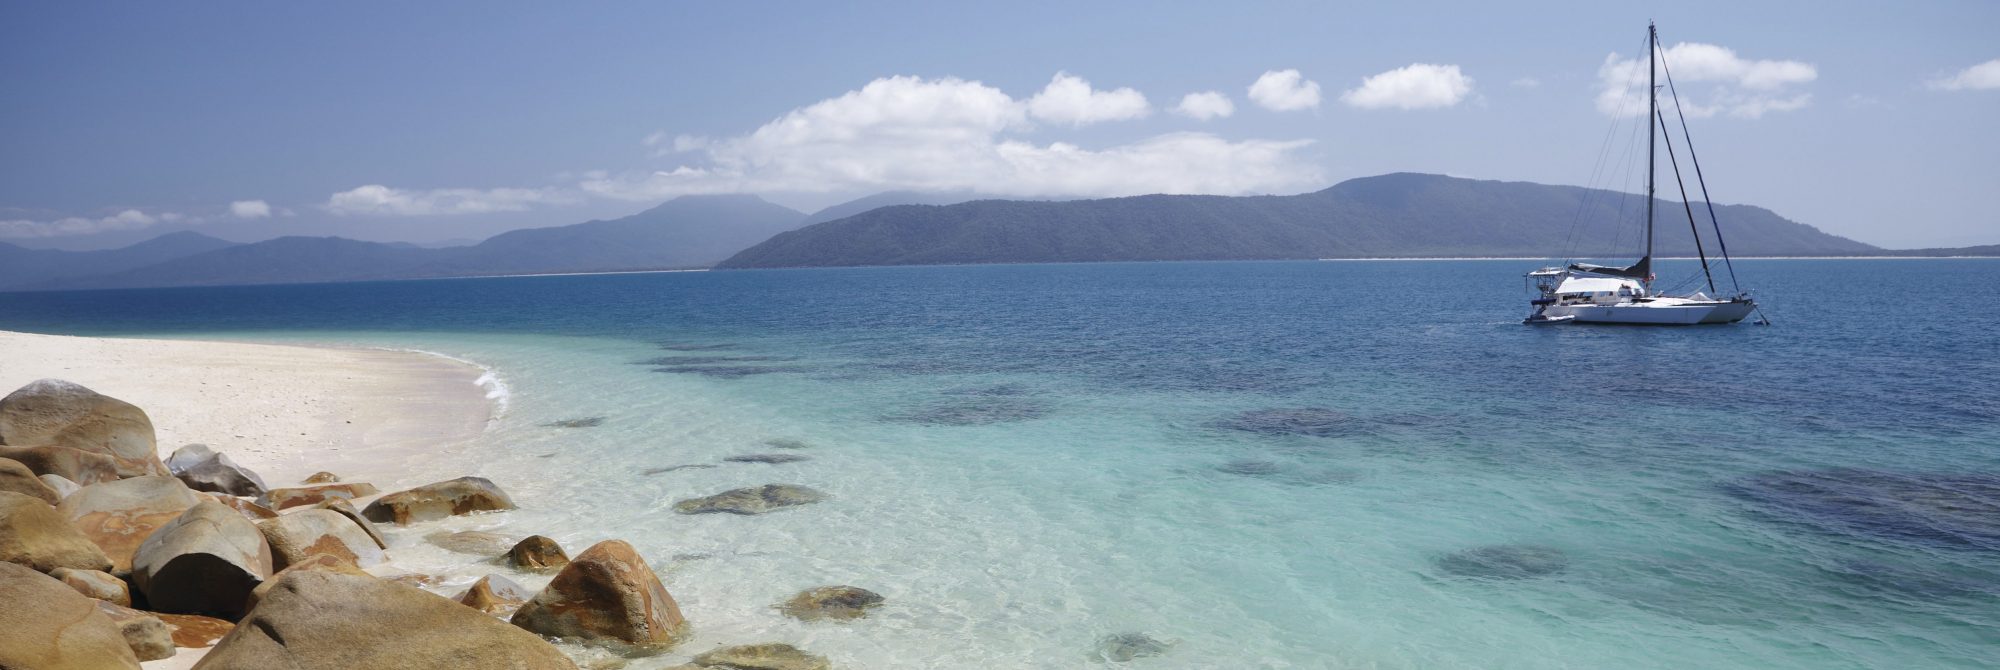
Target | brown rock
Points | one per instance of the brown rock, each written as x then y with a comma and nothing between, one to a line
319,562
46,626
831,602
494,594
65,414
249,510
318,620
83,467
346,509
202,469
203,562
322,477
119,515
282,499
95,584
17,478
149,638
537,554
303,534
464,495
63,487
776,656
477,543
36,535
607,593
193,631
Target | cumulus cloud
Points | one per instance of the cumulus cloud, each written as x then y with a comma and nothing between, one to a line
1984,76
955,134
1717,82
250,209
1285,91
1414,86
1069,99
376,199
1205,105
130,219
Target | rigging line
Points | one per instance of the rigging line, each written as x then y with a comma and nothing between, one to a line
1692,228
1706,201
1590,195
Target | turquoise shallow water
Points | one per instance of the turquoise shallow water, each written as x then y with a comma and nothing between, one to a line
1282,465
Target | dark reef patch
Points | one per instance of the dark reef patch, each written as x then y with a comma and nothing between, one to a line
695,346
1301,421
1956,511
994,391
1504,561
731,371
767,458
976,412
711,360
787,443
1249,467
585,422
671,468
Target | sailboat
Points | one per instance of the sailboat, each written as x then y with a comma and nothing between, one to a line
1586,293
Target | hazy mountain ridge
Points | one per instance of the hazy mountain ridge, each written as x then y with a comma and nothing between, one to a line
21,266
1396,215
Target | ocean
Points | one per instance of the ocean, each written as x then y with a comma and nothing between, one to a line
1367,464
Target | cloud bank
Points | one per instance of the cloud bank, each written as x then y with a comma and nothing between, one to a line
1714,81
1285,91
130,219
1069,99
376,199
1415,86
250,209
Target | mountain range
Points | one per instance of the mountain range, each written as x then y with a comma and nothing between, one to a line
1400,215
1390,216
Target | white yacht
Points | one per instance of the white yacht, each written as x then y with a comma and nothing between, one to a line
1585,293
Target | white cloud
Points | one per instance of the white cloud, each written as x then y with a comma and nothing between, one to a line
1069,99
1723,83
1526,82
1205,105
130,219
1414,86
1984,76
379,199
250,209
1285,91
954,134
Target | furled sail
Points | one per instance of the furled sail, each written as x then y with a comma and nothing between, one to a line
1640,270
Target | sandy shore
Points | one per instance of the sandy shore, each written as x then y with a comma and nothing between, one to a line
283,411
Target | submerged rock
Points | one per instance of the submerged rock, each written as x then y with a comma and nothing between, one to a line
711,360
673,468
66,414
1306,421
37,536
831,602
475,542
205,562
46,626
786,443
773,656
1250,468
767,458
323,620
585,422
696,346
119,515
1955,511
754,500
299,496
464,495
1126,647
978,412
83,467
731,371
996,390
537,553
1505,561
607,593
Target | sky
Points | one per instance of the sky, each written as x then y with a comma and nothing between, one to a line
439,121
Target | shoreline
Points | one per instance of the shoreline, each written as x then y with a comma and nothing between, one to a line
282,410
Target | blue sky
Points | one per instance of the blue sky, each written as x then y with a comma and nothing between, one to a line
430,121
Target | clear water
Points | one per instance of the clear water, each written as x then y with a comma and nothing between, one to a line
1026,459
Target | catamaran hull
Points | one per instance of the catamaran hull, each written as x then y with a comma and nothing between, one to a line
1657,313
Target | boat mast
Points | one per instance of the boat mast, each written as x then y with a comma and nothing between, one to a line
1652,111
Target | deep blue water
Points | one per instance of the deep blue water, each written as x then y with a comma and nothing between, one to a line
1352,464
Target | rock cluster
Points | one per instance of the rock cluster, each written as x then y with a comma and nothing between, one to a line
754,500
464,495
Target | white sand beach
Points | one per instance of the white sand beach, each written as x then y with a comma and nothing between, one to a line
283,411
